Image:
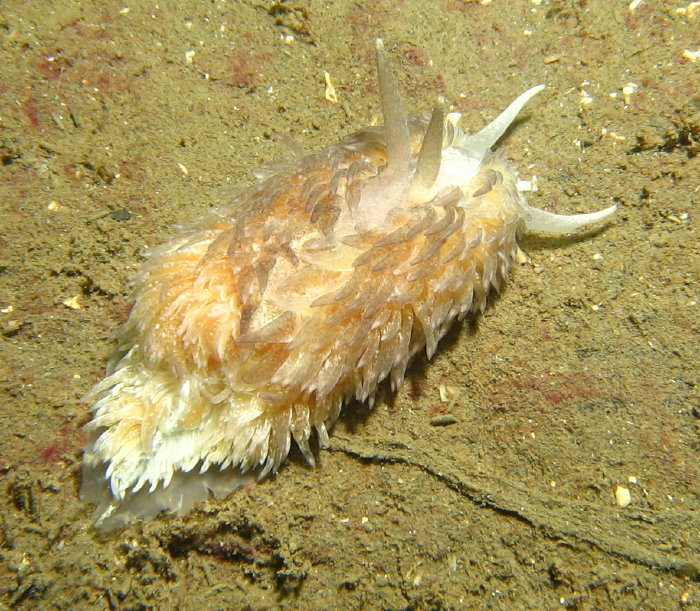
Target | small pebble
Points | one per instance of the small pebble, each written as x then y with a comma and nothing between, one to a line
11,327
623,496
443,420
73,303
120,215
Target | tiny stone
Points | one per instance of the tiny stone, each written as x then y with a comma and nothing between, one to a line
121,215
73,303
11,327
623,496
444,420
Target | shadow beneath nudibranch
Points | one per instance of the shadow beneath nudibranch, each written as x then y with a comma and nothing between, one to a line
415,384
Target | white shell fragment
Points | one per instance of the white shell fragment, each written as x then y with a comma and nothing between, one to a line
623,497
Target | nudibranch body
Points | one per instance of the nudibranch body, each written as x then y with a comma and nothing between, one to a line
256,324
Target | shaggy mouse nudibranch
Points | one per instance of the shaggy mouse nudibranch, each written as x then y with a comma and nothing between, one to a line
258,322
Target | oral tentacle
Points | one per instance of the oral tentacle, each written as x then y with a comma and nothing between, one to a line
477,145
549,222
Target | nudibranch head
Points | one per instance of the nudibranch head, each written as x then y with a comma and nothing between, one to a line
448,159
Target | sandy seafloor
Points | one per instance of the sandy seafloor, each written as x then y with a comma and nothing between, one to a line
120,119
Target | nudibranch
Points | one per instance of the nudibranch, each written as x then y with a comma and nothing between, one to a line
258,322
